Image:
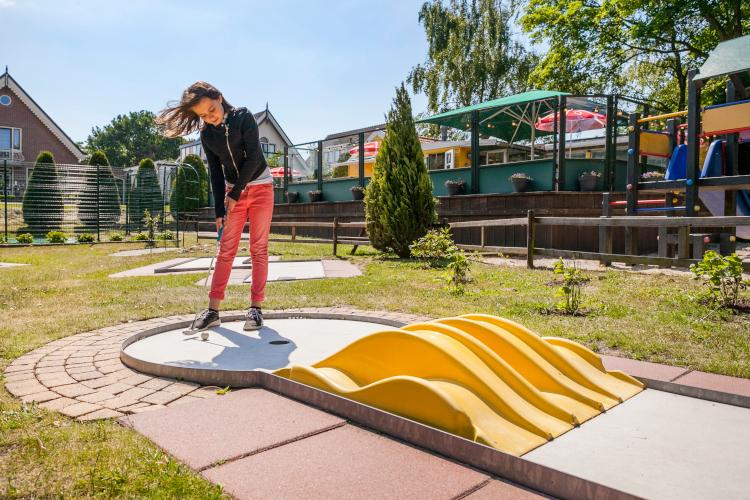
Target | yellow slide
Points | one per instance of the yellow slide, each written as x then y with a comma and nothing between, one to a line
478,376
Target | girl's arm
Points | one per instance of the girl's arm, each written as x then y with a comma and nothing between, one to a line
254,163
216,174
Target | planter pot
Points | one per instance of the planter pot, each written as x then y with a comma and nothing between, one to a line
588,182
454,189
520,185
315,197
292,196
358,194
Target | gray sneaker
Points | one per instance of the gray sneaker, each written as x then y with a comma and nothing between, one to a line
205,320
253,319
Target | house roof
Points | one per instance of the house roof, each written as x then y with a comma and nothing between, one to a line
266,114
8,81
339,135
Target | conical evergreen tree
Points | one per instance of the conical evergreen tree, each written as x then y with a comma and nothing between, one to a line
190,189
106,195
144,194
43,199
399,207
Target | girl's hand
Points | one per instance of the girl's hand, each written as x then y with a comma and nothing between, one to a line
229,203
219,223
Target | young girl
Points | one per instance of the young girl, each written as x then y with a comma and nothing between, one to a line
242,186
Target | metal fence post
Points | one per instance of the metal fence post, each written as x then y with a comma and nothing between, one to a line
5,196
126,187
98,229
530,236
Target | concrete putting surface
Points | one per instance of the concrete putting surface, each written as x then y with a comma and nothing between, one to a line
284,271
659,445
279,343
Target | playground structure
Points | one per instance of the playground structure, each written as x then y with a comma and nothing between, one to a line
703,156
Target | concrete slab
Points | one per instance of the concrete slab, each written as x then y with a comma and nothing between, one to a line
206,431
306,341
284,271
185,265
143,251
11,264
149,269
202,264
346,462
659,445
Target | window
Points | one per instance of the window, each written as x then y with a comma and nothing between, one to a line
435,161
5,100
268,149
10,142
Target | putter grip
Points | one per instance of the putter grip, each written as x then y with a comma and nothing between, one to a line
218,235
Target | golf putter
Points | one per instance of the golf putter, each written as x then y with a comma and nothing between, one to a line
204,333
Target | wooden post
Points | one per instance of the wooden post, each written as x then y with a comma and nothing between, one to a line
482,236
530,231
693,130
294,233
683,242
562,119
727,241
335,234
474,152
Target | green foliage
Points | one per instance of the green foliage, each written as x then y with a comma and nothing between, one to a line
99,199
571,290
56,237
140,237
151,224
190,186
457,272
722,276
399,207
434,248
86,238
130,137
340,171
117,237
471,55
3,240
640,48
276,159
25,238
43,200
145,193
165,236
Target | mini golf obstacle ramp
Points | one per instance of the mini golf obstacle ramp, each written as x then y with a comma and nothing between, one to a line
478,376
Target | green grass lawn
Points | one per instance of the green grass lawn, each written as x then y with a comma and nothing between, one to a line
66,291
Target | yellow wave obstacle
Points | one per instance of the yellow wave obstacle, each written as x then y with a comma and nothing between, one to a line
478,376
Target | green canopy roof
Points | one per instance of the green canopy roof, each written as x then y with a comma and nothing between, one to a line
509,118
732,56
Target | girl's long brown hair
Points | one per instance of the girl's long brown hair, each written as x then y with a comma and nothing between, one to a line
178,118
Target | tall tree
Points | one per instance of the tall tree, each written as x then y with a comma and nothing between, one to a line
127,138
399,207
99,197
145,193
472,56
639,47
43,200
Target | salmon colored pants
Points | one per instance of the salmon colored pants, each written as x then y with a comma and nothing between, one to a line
256,206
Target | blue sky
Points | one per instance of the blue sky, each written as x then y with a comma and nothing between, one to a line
323,66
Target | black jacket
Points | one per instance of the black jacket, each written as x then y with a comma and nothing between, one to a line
234,154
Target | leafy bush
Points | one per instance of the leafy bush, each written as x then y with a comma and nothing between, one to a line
399,206
151,224
435,248
166,235
117,237
340,171
723,277
519,176
140,237
56,237
25,238
86,238
43,199
3,240
457,274
571,290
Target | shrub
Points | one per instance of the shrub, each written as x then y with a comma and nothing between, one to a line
25,238
43,199
151,224
190,186
116,237
723,277
99,200
457,274
455,182
399,206
145,193
86,238
165,236
3,240
340,171
56,237
571,290
140,237
519,176
434,248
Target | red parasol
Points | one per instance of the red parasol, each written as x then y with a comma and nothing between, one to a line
576,120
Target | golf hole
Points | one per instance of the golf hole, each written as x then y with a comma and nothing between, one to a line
279,342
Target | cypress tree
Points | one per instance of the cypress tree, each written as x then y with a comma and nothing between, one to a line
43,199
107,194
190,186
145,193
399,207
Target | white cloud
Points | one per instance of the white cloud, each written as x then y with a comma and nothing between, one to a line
7,3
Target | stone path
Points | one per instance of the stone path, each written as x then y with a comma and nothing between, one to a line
82,376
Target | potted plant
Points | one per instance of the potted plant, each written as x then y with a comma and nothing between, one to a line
292,196
358,192
455,186
653,175
520,181
316,195
589,180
